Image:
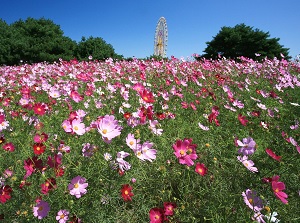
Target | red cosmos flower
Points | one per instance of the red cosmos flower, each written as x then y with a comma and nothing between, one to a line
39,148
127,115
147,96
156,215
5,192
39,108
242,119
169,208
126,192
48,185
277,188
273,155
160,115
214,114
9,147
201,169
255,113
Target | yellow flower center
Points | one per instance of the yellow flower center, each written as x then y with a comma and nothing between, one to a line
62,216
181,152
131,143
250,200
156,217
76,128
40,208
126,192
104,131
38,148
76,185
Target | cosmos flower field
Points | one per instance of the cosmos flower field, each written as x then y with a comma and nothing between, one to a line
150,141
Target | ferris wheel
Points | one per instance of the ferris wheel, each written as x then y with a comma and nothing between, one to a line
161,38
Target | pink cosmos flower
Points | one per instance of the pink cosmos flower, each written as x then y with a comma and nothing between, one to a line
249,164
132,142
185,151
76,96
78,186
205,128
67,126
62,216
40,138
148,153
41,209
78,127
108,127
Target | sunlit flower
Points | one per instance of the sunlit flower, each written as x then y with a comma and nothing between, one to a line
41,209
108,127
107,156
78,186
185,151
78,127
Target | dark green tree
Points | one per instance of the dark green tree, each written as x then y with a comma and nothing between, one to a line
39,40
242,40
5,42
95,47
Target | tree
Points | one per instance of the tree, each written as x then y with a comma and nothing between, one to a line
5,42
95,47
39,40
243,40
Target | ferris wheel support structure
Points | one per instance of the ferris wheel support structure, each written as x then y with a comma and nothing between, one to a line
161,38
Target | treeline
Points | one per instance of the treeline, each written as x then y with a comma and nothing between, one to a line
38,40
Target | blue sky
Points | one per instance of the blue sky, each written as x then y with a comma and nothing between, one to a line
129,26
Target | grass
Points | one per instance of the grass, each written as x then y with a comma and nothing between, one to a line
184,94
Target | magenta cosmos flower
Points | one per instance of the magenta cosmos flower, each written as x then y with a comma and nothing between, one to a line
185,151
77,187
41,209
108,127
